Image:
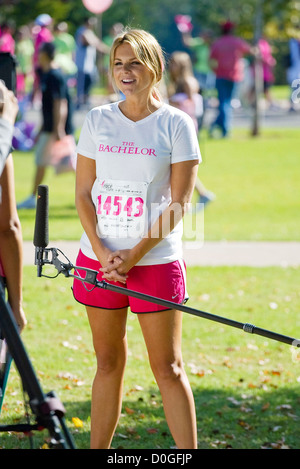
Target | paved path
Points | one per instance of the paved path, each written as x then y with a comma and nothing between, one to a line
242,117
210,253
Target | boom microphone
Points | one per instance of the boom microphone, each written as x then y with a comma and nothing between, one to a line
41,231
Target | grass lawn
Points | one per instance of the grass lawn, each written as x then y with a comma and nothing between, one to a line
256,181
246,387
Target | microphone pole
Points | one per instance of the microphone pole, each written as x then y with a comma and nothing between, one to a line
41,241
41,231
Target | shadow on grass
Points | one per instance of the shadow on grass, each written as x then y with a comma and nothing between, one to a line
225,420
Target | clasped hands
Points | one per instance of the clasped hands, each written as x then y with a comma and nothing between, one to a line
117,265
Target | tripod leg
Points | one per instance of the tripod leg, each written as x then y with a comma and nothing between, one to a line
46,408
5,357
5,363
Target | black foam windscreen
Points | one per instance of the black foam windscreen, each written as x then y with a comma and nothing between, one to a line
41,231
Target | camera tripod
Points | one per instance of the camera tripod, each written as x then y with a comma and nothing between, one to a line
48,410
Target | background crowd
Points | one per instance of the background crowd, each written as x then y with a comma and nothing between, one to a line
212,69
215,57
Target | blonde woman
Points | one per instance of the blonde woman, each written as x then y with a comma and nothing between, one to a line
183,86
136,170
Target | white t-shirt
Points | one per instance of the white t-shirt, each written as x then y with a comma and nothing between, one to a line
133,163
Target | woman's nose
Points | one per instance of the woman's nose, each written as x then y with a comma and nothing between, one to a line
126,67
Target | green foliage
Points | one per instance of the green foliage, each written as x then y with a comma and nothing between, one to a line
277,19
158,16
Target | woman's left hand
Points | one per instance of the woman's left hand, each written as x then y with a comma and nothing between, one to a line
121,261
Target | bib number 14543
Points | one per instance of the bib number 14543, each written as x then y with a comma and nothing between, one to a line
118,204
121,208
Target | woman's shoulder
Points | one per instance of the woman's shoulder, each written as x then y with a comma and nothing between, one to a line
103,108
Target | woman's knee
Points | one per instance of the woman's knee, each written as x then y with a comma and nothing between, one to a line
165,370
111,360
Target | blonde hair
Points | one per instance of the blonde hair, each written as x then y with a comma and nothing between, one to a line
183,62
146,49
182,77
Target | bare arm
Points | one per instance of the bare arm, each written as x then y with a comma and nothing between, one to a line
60,113
11,243
8,113
90,38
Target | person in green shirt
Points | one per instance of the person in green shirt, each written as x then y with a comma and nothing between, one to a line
200,48
65,49
24,52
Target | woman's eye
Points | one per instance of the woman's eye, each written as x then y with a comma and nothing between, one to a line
119,64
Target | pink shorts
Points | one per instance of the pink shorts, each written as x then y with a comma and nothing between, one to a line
165,281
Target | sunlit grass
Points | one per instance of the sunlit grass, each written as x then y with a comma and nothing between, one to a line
245,386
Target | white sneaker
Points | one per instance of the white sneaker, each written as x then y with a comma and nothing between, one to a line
30,202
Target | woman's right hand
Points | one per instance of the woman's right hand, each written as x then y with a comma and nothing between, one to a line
110,267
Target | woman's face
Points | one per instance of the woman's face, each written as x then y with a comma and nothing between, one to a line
131,76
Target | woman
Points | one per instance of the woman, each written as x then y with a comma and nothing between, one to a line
136,169
183,87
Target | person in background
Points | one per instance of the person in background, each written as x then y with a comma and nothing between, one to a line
87,46
226,54
11,242
24,53
65,47
56,117
7,42
293,69
108,40
184,93
200,48
142,155
184,90
42,33
268,63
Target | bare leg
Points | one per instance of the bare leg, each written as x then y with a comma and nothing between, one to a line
38,179
109,339
162,333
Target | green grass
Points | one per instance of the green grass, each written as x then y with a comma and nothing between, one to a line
281,92
245,386
256,181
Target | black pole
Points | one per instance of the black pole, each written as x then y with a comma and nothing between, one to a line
250,328
91,278
47,407
18,352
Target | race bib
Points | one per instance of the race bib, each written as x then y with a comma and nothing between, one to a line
120,208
